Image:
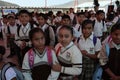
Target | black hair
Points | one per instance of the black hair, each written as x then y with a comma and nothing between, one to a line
68,28
115,27
99,12
10,16
110,16
42,15
2,50
66,17
85,22
33,31
50,13
24,12
58,12
80,13
4,16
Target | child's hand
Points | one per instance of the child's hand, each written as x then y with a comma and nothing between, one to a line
115,78
56,67
84,52
23,45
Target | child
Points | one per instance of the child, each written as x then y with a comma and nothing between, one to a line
39,59
69,56
99,25
10,32
89,46
49,33
110,62
65,21
21,36
9,73
80,18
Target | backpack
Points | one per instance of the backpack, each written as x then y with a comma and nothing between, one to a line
94,40
8,29
98,72
47,35
102,23
18,28
31,57
19,74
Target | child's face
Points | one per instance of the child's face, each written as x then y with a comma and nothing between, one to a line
5,20
101,16
41,20
24,18
81,18
38,40
66,22
11,21
87,30
65,37
116,36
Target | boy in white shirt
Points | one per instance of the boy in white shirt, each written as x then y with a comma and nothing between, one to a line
99,25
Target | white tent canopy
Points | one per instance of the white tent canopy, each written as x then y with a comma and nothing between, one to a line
90,4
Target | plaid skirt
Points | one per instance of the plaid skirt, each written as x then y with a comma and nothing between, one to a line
88,69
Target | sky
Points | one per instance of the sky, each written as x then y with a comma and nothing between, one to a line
37,3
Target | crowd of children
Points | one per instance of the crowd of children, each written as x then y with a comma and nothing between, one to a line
62,47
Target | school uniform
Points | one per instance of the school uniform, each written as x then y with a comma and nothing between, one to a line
9,74
12,29
50,35
23,35
78,29
10,32
57,20
111,61
116,19
99,28
88,63
70,59
75,32
39,59
72,17
3,26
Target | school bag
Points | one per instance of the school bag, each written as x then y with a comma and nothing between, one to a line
98,72
94,40
19,74
31,57
18,28
47,34
102,23
42,71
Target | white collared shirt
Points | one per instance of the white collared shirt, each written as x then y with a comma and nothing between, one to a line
88,44
116,46
13,29
44,27
78,29
10,74
38,59
71,16
116,19
99,28
71,55
23,32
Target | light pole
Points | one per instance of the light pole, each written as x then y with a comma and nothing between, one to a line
75,4
45,3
